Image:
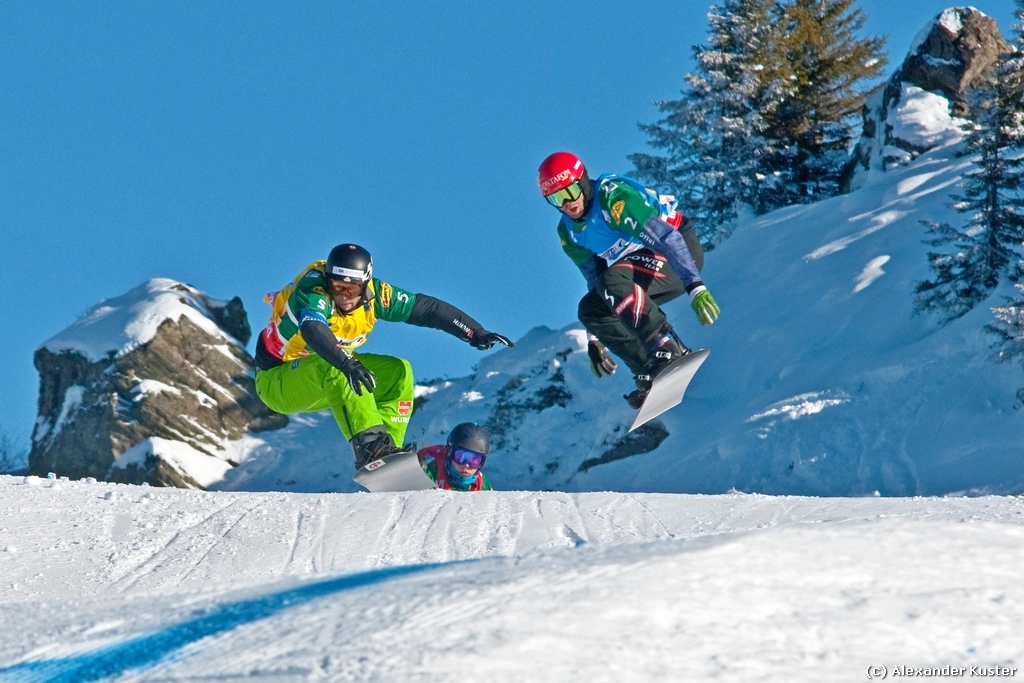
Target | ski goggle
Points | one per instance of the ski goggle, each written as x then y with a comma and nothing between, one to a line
569,193
464,456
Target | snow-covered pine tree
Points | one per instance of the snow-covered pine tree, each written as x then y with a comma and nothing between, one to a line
711,136
988,247
767,118
1008,329
810,133
1008,326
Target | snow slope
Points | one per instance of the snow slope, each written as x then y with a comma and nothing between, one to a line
115,582
821,379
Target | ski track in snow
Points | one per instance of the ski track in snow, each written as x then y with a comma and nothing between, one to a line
114,582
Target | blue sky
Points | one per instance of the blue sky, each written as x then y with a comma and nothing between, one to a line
228,144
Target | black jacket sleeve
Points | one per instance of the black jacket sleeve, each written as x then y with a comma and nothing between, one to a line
440,315
322,341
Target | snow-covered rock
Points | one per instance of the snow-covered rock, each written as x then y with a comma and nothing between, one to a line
152,386
919,107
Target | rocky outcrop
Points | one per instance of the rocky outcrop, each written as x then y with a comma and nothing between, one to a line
160,373
953,52
552,424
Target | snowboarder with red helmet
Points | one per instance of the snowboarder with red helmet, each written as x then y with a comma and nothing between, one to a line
305,356
456,465
636,253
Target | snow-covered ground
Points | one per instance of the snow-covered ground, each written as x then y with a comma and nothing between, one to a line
112,582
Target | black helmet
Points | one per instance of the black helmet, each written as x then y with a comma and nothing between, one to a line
471,437
349,263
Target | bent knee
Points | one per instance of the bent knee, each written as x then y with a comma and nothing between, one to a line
591,307
405,376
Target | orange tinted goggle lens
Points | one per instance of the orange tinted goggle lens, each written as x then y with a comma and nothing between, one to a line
569,193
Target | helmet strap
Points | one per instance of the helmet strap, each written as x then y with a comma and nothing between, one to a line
588,192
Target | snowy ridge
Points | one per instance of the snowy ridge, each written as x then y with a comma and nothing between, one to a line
164,584
117,326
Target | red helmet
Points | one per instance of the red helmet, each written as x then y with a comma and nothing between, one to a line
559,170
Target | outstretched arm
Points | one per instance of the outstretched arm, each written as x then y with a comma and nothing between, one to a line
666,240
441,315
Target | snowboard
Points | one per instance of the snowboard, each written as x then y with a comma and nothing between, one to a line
669,386
396,472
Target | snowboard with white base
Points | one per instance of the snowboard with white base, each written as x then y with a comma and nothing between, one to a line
669,386
396,472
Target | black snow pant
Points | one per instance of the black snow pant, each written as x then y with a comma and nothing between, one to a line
622,310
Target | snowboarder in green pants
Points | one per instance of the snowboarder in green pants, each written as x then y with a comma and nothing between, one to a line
305,360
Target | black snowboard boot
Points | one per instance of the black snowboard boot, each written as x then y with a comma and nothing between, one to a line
373,443
664,353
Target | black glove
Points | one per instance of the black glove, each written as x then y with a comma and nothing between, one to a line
322,341
357,374
484,340
601,364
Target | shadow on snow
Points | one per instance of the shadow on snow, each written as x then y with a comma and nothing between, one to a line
145,651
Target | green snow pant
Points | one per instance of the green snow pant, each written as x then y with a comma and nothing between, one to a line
623,310
311,384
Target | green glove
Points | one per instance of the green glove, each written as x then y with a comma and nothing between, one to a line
704,305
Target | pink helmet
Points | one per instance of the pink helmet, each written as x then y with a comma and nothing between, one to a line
559,170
